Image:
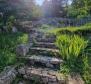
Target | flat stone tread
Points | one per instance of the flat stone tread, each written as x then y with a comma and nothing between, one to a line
45,43
45,49
44,40
44,59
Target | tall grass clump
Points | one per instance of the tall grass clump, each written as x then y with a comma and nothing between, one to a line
71,46
71,49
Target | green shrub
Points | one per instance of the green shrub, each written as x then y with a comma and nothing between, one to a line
10,23
86,69
8,43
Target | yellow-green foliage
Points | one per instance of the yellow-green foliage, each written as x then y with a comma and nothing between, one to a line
70,46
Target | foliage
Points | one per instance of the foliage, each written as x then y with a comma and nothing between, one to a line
54,8
85,28
79,8
1,22
8,43
70,46
10,23
74,51
86,71
36,12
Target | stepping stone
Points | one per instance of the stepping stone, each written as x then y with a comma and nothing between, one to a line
43,75
44,51
50,62
45,45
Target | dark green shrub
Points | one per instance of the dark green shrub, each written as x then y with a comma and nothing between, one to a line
10,23
8,43
86,69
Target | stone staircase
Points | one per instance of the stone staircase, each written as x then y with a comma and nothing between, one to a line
45,45
44,51
42,62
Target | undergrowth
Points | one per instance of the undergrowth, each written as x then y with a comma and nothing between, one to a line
8,43
73,52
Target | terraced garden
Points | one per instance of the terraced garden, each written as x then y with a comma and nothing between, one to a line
58,56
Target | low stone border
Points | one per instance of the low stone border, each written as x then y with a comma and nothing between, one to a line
8,75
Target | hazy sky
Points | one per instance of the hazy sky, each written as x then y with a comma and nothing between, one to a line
39,2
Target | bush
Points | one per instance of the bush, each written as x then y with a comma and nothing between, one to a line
81,30
10,23
86,70
8,43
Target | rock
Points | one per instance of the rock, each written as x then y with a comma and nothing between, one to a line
14,29
43,75
75,79
49,62
22,49
8,75
22,82
22,70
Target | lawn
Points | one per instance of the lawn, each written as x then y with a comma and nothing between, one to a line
49,29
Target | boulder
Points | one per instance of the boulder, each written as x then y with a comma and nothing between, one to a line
23,49
14,29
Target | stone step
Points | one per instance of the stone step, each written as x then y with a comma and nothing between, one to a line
50,40
42,75
43,61
45,45
44,51
42,37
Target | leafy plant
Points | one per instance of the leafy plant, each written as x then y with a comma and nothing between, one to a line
86,70
71,46
10,23
73,51
8,43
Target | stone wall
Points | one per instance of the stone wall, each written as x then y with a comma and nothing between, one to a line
44,76
8,75
62,22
